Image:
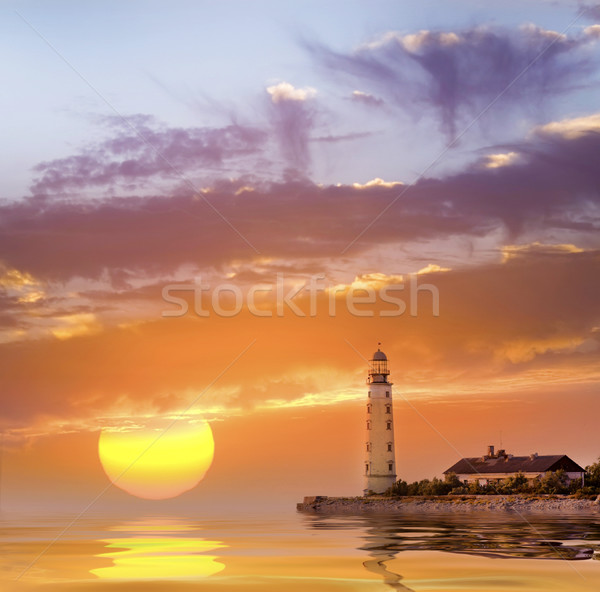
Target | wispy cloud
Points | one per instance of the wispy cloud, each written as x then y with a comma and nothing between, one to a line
132,160
365,98
457,74
293,117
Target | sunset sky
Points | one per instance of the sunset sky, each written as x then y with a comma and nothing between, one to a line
261,148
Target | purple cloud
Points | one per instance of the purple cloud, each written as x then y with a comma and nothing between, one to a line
548,182
140,151
293,117
457,75
365,98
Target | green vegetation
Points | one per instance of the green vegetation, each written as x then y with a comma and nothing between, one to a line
550,483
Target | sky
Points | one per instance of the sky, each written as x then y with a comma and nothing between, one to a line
216,211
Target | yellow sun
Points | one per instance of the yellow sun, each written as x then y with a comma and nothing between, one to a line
152,463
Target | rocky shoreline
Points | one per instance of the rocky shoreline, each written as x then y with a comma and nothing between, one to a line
449,504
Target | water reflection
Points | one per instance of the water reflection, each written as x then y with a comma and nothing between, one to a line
158,551
378,566
573,538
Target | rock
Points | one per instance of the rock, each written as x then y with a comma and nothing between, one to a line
332,505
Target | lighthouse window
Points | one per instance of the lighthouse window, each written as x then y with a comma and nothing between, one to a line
388,408
369,394
388,425
368,425
367,469
389,446
368,408
387,394
368,447
390,466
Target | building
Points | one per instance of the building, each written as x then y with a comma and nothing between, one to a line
380,461
494,467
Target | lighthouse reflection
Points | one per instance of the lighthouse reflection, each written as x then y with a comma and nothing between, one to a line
379,542
163,550
380,546
378,566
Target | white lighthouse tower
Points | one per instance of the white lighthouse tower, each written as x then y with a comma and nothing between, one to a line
380,460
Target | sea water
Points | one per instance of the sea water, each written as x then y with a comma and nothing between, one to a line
297,552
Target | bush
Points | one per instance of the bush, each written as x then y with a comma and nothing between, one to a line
551,483
516,484
426,487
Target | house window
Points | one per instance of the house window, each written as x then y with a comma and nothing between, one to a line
388,408
389,446
369,408
390,467
369,424
388,425
387,394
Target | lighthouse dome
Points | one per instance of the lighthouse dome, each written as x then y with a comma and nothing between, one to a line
379,355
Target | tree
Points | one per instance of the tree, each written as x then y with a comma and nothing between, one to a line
553,482
592,476
400,488
453,481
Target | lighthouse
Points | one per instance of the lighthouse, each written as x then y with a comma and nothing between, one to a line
380,460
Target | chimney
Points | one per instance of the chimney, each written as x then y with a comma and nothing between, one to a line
490,451
533,456
501,452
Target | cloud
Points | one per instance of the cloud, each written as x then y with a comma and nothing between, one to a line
538,249
571,129
284,91
75,325
342,137
502,326
458,74
551,186
138,152
493,161
366,99
293,117
377,182
592,11
516,318
593,31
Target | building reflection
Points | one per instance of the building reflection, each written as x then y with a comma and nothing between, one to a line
500,536
157,551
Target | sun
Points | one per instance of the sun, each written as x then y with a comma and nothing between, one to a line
153,462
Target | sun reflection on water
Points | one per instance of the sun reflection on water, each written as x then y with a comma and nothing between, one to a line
158,552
